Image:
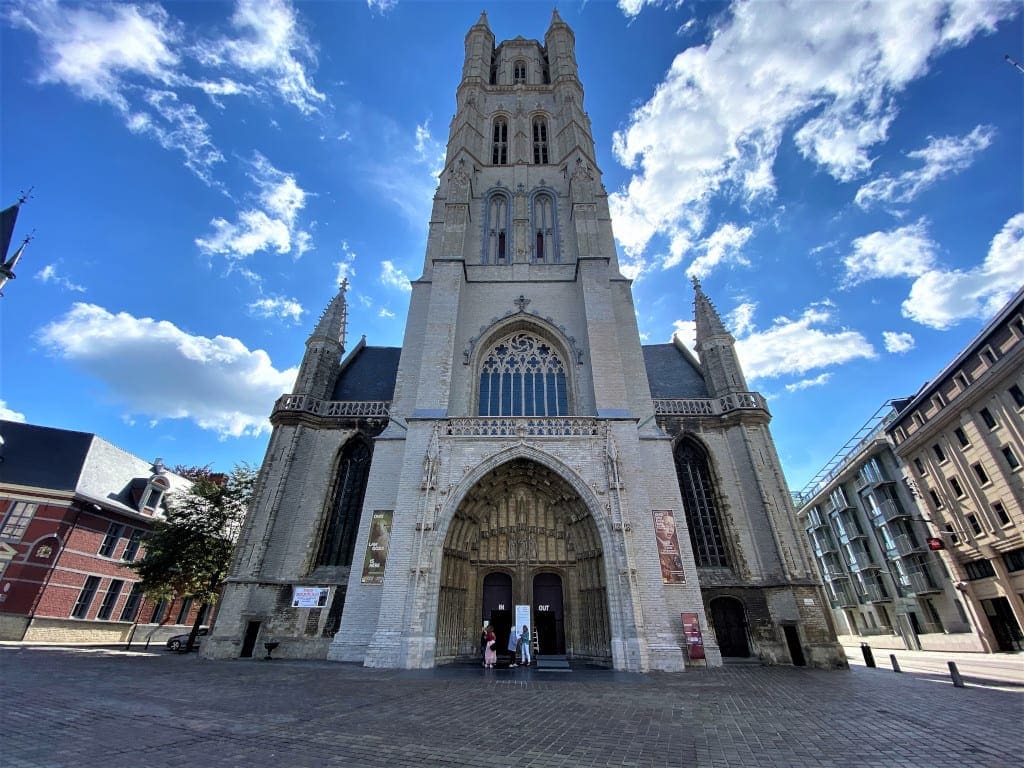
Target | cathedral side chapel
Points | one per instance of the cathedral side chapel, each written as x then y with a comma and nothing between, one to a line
522,455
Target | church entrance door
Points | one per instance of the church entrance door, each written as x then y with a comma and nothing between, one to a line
523,535
730,623
548,614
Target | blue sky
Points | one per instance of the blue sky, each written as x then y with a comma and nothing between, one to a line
844,177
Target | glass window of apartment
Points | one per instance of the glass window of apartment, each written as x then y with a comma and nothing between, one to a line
131,605
81,609
961,380
16,521
951,531
884,613
1010,456
936,499
988,418
939,453
979,569
159,609
186,606
110,599
1000,513
961,437
1014,559
958,490
919,466
1017,395
933,614
204,613
989,355
109,544
980,473
972,520
131,549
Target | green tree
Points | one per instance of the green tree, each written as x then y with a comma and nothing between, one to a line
188,553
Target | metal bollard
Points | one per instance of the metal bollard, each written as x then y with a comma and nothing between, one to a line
895,664
869,657
958,682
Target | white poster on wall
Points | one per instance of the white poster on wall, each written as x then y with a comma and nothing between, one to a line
310,597
523,617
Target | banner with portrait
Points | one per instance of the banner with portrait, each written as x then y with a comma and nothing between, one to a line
377,544
668,547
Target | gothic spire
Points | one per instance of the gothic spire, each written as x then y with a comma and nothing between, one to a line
333,323
716,347
482,21
708,322
324,348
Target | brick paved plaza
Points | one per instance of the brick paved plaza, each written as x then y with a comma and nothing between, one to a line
92,708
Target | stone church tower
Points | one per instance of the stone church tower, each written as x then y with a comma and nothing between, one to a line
522,455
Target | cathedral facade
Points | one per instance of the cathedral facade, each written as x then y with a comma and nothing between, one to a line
522,457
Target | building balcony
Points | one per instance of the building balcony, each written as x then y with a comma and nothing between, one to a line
834,572
524,426
825,548
887,511
844,598
815,522
848,535
379,409
920,582
740,401
906,546
862,561
875,594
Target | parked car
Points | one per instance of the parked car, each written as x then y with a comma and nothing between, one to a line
178,642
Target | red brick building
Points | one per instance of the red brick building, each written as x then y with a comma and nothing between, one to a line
74,511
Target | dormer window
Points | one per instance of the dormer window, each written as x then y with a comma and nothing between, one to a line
154,494
499,144
519,72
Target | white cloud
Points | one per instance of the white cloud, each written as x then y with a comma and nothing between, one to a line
817,381
941,298
158,371
271,224
277,307
408,185
898,343
904,252
8,415
381,6
741,319
686,332
392,276
49,274
714,124
347,265
386,313
271,47
793,347
723,246
941,157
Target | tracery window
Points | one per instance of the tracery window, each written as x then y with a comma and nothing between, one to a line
497,246
522,375
499,143
540,141
544,228
519,72
350,486
699,505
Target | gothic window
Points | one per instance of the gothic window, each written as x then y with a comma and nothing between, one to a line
350,485
499,144
544,229
519,72
522,375
700,507
540,141
496,242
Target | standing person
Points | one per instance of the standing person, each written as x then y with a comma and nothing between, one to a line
513,644
483,643
490,655
524,645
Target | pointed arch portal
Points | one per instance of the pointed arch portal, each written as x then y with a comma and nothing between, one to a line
523,536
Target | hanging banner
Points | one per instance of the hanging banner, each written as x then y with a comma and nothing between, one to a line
310,597
668,547
377,547
694,638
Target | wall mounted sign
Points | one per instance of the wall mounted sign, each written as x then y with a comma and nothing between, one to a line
668,547
376,559
310,597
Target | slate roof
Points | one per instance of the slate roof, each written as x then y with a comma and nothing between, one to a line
368,375
42,457
671,374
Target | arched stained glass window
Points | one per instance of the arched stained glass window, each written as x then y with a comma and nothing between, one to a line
522,375
499,144
540,141
699,504
339,539
519,72
497,245
544,229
